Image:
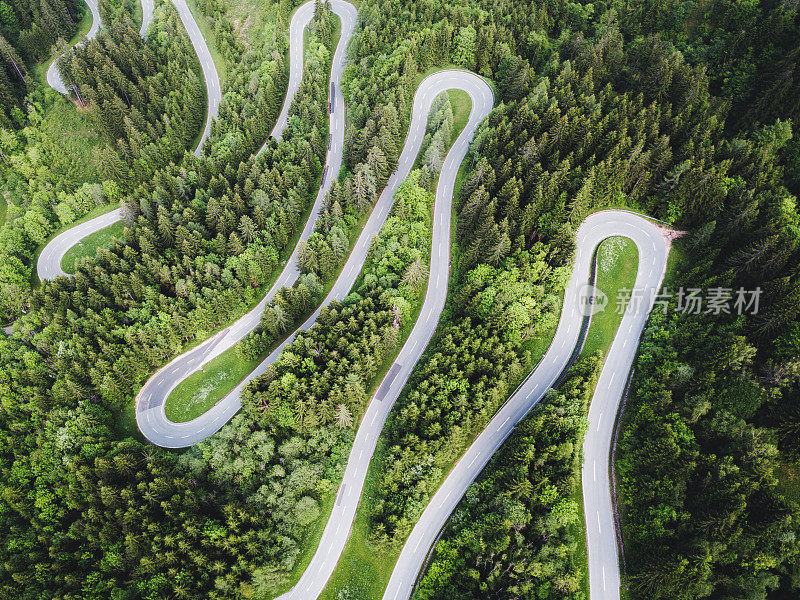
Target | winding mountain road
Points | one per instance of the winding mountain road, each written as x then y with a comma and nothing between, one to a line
653,250
604,576
49,263
601,538
54,79
301,18
213,90
150,402
337,530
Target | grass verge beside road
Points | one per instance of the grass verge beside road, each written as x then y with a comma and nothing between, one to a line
88,246
203,389
617,265
461,104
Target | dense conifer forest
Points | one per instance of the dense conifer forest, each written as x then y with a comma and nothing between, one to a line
686,111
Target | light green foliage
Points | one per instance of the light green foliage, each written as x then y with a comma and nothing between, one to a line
464,50
283,477
439,133
44,195
515,530
306,511
519,308
477,362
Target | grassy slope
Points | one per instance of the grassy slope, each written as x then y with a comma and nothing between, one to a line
88,246
203,389
72,137
617,262
462,105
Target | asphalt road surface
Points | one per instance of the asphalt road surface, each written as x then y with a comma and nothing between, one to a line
603,562
49,264
213,91
150,402
54,79
147,16
604,571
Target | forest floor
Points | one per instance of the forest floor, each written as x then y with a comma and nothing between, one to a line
88,246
